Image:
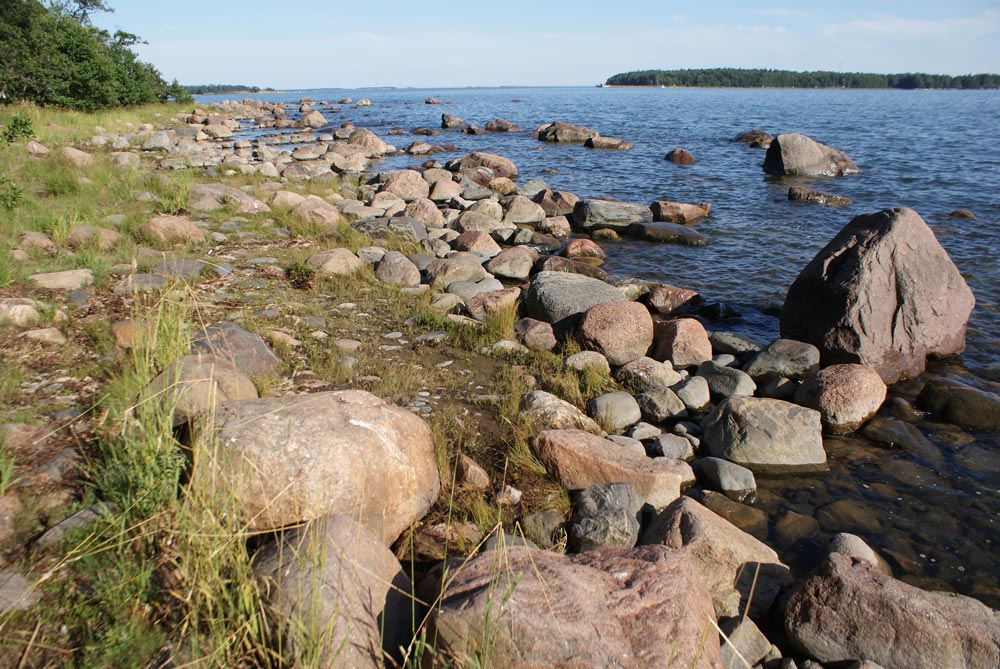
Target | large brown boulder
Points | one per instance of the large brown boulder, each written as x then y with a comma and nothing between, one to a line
192,386
882,293
525,608
727,558
797,155
622,331
560,132
211,197
580,459
682,341
341,596
849,610
500,166
286,460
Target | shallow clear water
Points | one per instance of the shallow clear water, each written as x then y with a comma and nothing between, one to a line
934,516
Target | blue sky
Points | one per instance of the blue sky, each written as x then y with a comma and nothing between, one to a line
308,43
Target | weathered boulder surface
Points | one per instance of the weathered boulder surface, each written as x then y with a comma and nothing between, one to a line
882,293
682,341
799,194
545,411
845,396
645,605
247,350
581,459
765,435
793,154
679,212
726,557
622,331
286,460
500,166
560,132
210,197
334,582
850,610
668,233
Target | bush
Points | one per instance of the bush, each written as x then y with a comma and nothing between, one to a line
10,193
17,126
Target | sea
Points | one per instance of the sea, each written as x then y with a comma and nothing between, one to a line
935,516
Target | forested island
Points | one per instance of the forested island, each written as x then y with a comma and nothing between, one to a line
740,78
215,89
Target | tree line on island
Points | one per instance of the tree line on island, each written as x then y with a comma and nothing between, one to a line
54,56
740,78
218,89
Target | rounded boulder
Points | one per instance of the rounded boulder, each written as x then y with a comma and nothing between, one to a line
845,395
622,331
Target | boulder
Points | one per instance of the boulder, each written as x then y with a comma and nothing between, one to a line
882,293
589,215
679,212
450,121
765,435
408,185
558,297
581,459
962,405
248,351
519,210
850,610
735,482
668,233
646,374
588,360
490,303
313,119
560,264
560,132
512,263
799,194
784,358
317,211
211,197
443,272
645,606
582,248
335,262
695,393
343,598
70,279
396,269
670,300
500,166
855,547
502,125
424,210
615,411
476,241
622,331
606,515
659,405
725,381
545,411
368,142
534,334
556,203
682,341
797,155
845,395
285,460
20,311
195,384
172,230
76,158
613,143
755,136
727,558
680,157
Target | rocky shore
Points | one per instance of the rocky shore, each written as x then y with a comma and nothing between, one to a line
626,532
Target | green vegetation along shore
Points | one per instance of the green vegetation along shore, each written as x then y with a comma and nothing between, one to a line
216,89
738,78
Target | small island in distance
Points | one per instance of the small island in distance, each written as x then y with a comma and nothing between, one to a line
740,78
215,89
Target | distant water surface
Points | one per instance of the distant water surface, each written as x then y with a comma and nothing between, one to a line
934,151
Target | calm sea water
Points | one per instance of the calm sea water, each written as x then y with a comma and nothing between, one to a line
933,151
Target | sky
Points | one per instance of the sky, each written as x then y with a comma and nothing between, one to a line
314,44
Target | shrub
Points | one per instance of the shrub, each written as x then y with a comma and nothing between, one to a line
17,126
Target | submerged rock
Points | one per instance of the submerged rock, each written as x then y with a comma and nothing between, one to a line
797,155
798,194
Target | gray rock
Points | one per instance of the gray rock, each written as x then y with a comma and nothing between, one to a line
660,404
512,263
694,393
16,592
589,215
893,432
536,335
545,411
72,279
401,226
643,431
185,269
615,411
743,644
396,269
140,283
559,298
855,547
729,478
727,342
543,528
784,358
606,515
766,435
443,272
646,374
246,350
469,289
725,381
672,446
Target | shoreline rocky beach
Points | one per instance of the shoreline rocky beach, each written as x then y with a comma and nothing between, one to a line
625,531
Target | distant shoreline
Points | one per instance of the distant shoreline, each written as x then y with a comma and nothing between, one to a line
756,78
